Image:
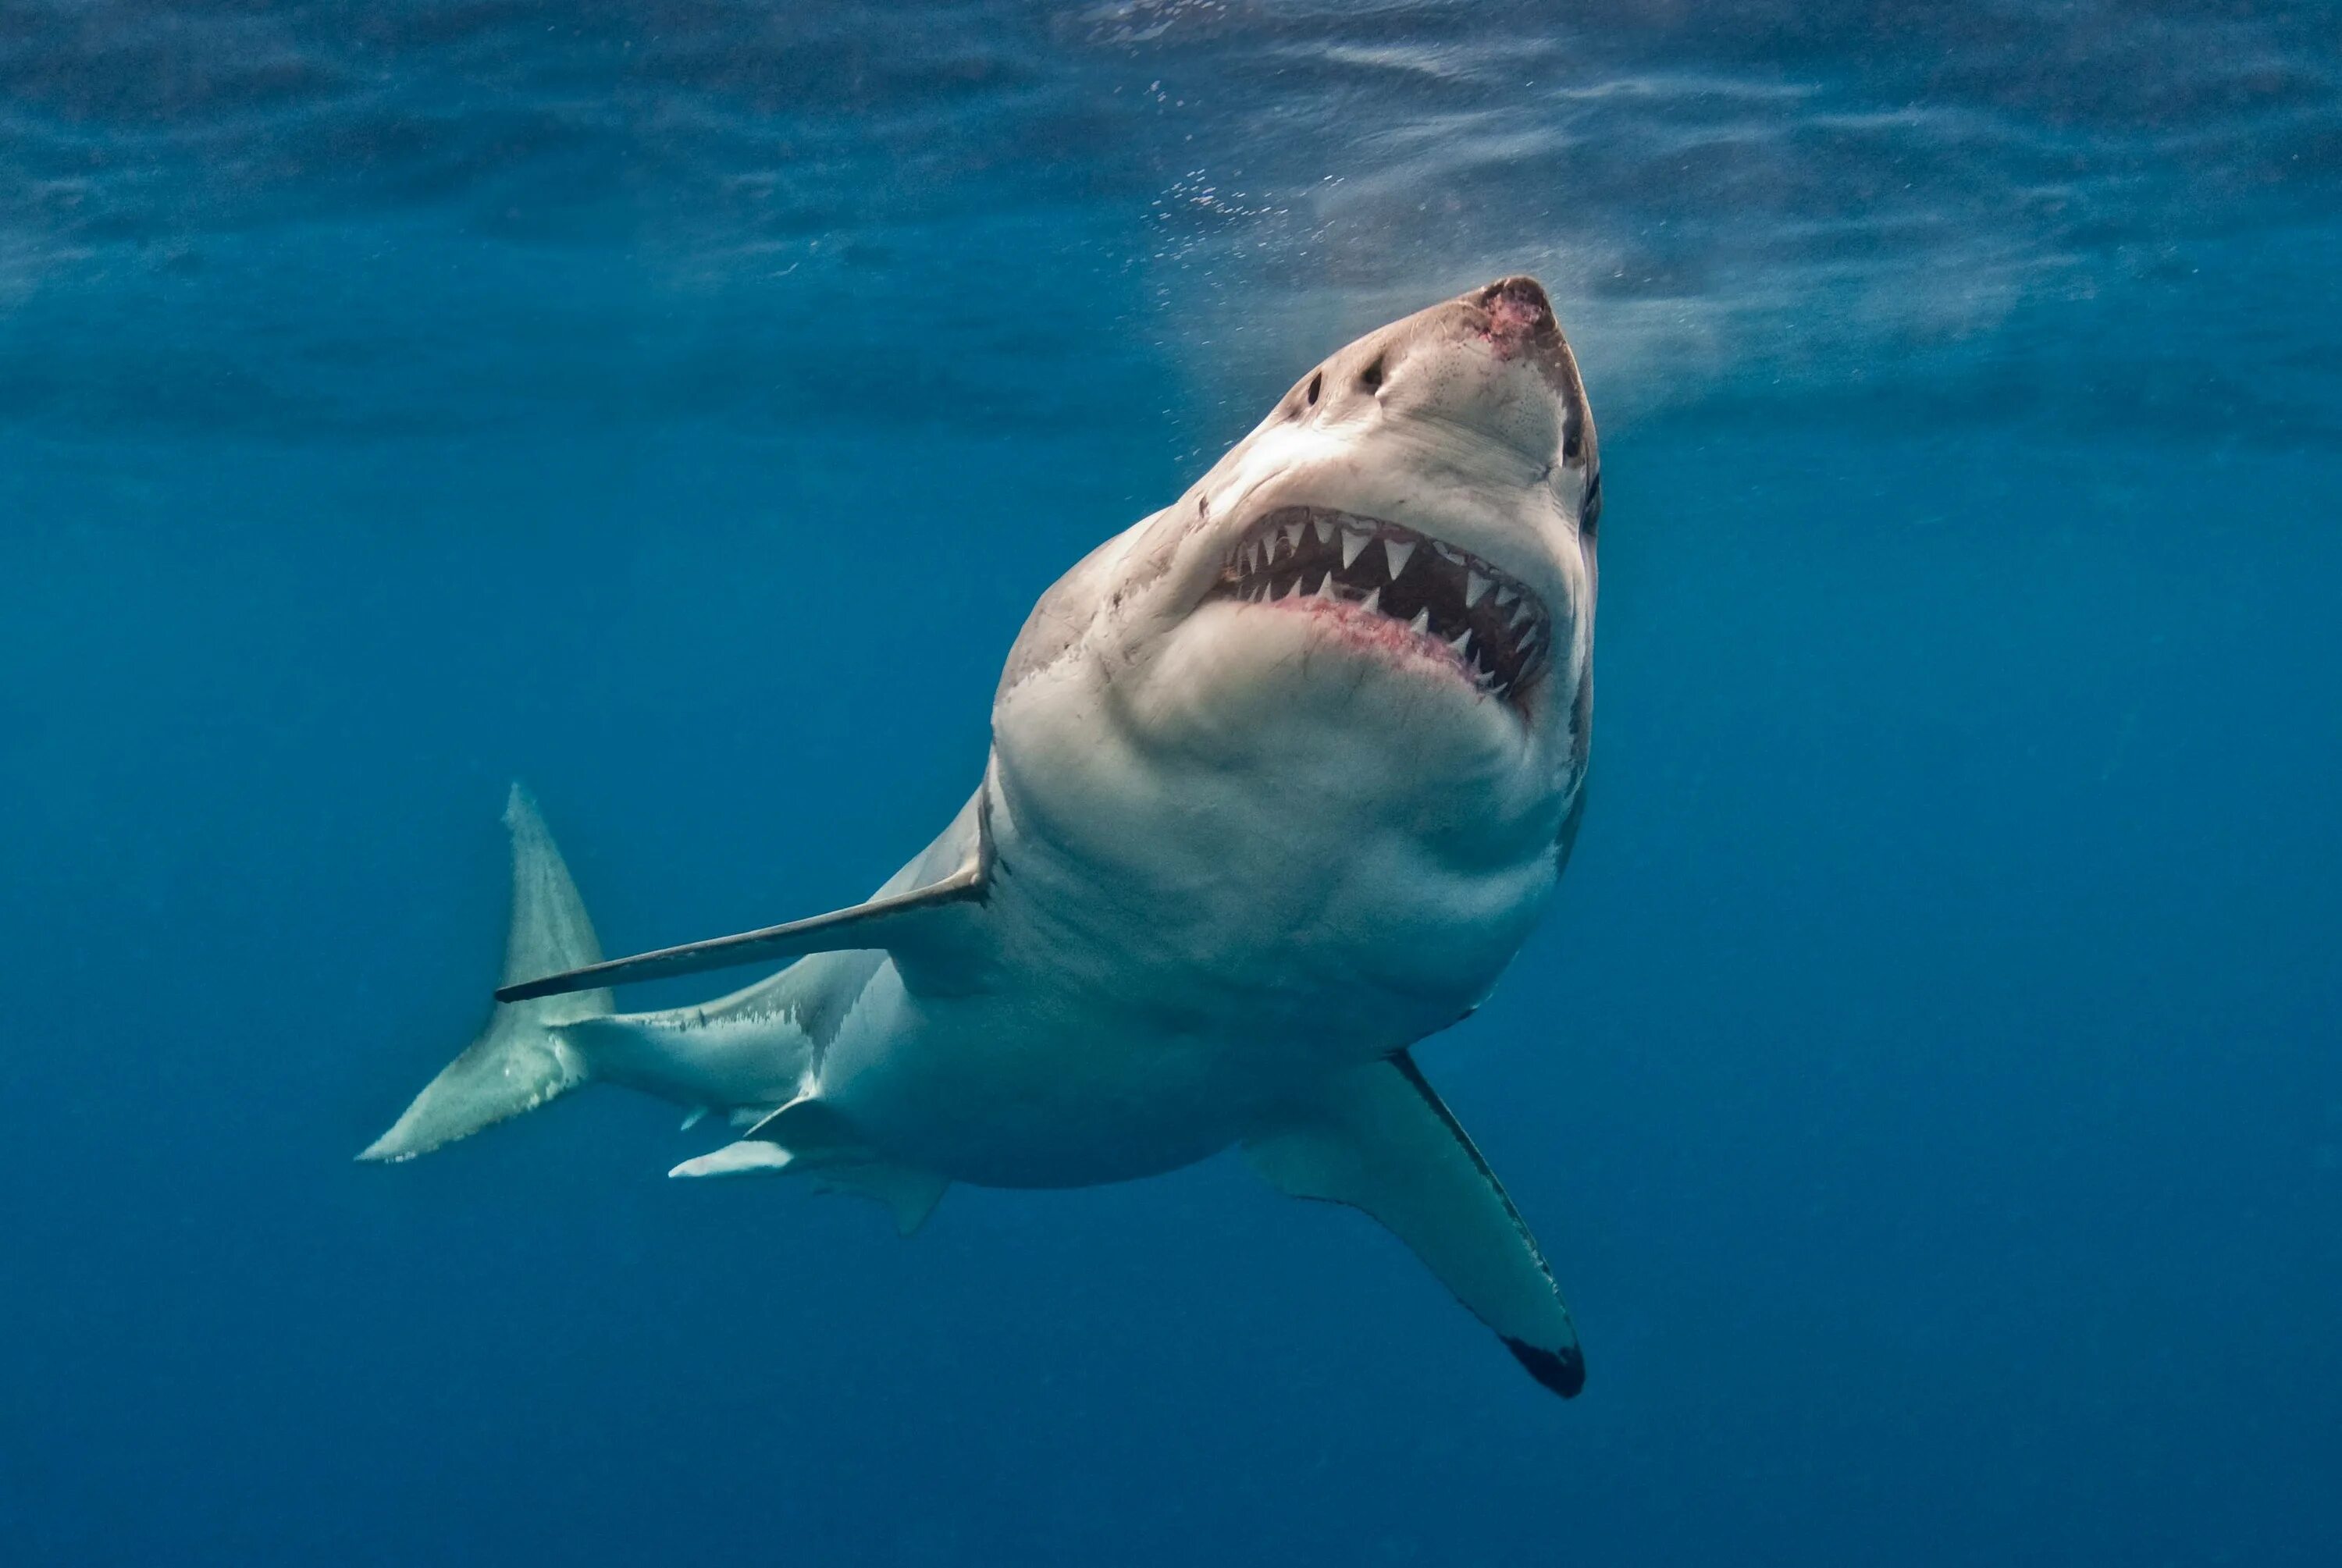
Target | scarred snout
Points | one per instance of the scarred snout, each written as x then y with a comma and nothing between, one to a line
1514,318
1520,317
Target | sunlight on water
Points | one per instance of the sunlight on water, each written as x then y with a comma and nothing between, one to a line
1825,197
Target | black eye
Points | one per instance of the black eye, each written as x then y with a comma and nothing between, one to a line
1372,376
1316,384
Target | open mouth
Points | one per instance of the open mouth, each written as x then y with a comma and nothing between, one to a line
1492,625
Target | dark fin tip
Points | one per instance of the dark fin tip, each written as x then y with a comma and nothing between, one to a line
1562,1370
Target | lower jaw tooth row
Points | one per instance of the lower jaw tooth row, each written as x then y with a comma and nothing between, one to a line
1460,644
1263,593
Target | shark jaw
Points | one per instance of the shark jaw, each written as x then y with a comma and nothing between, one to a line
1395,592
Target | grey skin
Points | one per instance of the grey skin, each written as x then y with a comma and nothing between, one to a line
1280,779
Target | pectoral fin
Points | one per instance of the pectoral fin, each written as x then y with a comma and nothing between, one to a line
882,921
1378,1139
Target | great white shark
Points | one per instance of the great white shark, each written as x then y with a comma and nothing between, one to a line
1280,779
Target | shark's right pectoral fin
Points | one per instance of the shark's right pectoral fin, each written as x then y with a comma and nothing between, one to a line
1378,1139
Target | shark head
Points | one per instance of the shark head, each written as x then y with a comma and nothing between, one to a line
1371,622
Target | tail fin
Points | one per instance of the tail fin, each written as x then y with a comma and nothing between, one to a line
521,1059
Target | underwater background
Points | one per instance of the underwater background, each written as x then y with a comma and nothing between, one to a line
1926,1084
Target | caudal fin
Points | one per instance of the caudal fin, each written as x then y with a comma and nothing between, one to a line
521,1058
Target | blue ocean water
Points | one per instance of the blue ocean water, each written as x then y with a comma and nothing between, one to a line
1927,1082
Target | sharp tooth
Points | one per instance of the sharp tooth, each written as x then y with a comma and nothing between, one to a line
1290,588
1292,535
1448,552
1324,587
1461,641
1396,554
1421,625
1522,615
1325,527
1352,543
1475,585
1506,595
1372,601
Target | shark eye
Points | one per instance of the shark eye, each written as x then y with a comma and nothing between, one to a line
1372,376
1316,384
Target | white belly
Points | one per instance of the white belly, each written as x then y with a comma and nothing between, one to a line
1100,1043
1025,1090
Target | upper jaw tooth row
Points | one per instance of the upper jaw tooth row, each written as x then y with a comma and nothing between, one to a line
1489,619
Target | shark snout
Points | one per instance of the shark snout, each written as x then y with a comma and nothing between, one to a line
1520,316
1513,318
